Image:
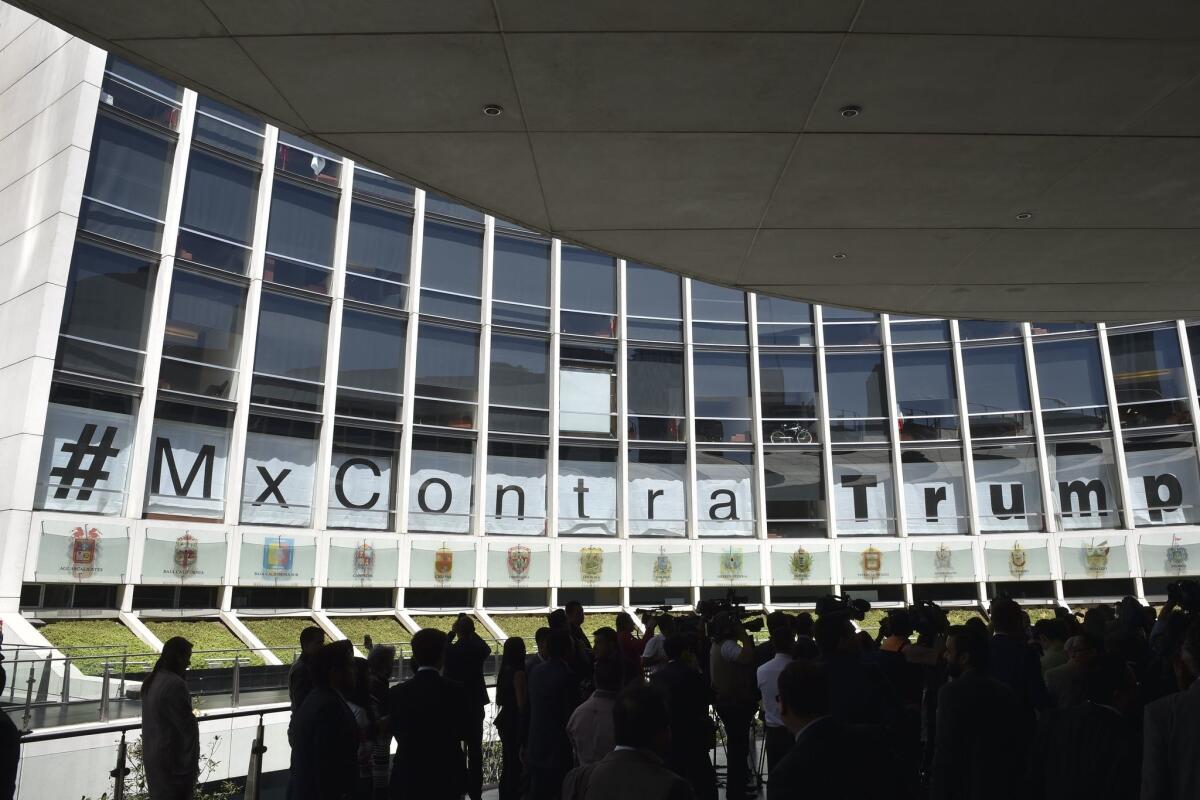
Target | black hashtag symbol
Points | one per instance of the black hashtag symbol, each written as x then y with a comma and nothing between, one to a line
95,472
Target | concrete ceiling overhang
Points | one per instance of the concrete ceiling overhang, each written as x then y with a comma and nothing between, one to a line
706,136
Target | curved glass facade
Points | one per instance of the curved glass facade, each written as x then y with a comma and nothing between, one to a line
277,369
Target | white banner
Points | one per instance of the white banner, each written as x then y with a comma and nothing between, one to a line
657,500
862,498
448,564
584,401
725,498
1008,493
194,557
439,496
84,460
187,469
1163,485
360,491
89,551
1084,491
587,498
515,494
278,483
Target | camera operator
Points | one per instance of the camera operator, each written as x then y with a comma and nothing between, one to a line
731,670
654,655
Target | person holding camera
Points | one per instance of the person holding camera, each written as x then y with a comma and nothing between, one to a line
654,655
731,670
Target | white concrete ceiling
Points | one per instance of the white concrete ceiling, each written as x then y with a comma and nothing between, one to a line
705,136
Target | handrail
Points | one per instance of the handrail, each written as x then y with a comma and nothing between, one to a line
121,727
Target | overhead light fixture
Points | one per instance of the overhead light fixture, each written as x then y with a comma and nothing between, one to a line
839,256
492,110
850,111
1024,215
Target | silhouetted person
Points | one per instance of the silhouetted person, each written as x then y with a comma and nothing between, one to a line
821,762
464,664
582,657
806,646
731,670
688,696
553,695
541,637
325,736
300,681
635,768
10,746
170,733
1014,661
1050,637
590,727
430,717
1092,750
511,698
366,721
979,720
859,693
380,662
629,646
1170,768
653,654
779,739
1065,683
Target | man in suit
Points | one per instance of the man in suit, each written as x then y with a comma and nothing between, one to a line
540,637
324,734
553,696
821,763
430,719
978,718
464,665
1170,769
688,696
1091,750
1014,661
635,767
1065,683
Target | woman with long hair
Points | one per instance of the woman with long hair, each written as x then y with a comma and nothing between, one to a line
170,733
511,698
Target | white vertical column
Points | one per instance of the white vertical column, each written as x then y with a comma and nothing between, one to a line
968,451
1126,514
893,416
555,360
1189,371
479,512
689,375
622,423
759,496
141,454
1049,515
552,418
826,445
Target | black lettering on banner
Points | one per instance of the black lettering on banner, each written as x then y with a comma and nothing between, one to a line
79,450
1002,511
1084,492
1154,499
730,504
503,490
581,490
339,487
446,497
204,458
273,485
650,495
933,496
858,485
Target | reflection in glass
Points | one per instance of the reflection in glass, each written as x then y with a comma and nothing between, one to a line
1007,487
371,366
795,493
516,489
1071,385
203,335
219,204
1163,481
863,488
1148,377
125,191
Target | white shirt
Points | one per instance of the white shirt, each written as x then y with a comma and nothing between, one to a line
655,648
768,684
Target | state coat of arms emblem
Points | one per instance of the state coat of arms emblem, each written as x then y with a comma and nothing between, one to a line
364,561
187,553
1095,557
83,552
871,563
443,564
277,556
732,562
1177,556
591,564
1018,563
519,559
801,564
943,561
661,570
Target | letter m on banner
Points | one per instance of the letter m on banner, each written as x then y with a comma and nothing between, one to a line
163,453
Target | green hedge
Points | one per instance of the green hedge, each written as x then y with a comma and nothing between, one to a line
523,625
442,622
593,622
204,635
105,639
281,634
382,630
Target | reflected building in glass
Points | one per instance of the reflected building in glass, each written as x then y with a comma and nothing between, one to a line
359,395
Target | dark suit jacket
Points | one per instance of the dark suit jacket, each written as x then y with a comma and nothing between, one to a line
1170,768
10,754
553,694
464,664
430,715
982,732
626,774
324,748
822,764
1016,664
688,697
1084,753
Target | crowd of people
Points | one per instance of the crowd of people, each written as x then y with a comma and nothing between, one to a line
1100,705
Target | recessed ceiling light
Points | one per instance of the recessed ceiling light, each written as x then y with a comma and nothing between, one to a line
492,110
839,256
1024,215
850,111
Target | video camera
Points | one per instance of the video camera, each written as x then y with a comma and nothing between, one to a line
928,619
1185,594
835,604
732,605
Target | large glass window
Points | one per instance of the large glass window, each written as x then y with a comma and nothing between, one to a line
447,376
1071,385
369,183
1163,482
926,396
918,330
857,396
589,293
935,499
188,461
657,400
451,270
783,323
289,355
657,492
225,128
439,486
788,383
1148,377
516,488
141,93
722,396
863,492
377,258
93,340
997,391
281,464
848,327
587,389
1008,490
125,192
300,236
203,335
718,315
1084,479
970,329
725,492
307,161
795,492
654,304
361,489
520,385
371,365
521,282
587,491
217,223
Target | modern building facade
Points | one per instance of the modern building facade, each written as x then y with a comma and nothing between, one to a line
242,372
